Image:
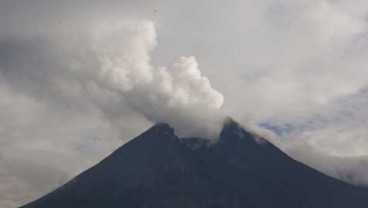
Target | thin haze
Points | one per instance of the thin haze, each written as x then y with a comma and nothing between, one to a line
77,77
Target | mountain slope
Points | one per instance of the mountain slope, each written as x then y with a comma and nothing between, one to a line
157,169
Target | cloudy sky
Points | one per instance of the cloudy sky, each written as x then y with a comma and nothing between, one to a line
80,78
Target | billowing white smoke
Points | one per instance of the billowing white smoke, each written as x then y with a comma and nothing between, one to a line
108,66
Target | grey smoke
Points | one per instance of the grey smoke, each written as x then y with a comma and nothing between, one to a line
107,65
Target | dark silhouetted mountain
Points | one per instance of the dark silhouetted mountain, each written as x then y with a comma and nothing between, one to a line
159,170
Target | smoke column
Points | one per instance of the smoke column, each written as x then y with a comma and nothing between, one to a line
107,65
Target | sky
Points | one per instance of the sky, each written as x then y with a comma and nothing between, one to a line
80,78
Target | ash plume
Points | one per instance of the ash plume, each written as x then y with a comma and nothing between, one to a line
108,66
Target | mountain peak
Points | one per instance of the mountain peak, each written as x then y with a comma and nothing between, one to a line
157,169
163,127
231,129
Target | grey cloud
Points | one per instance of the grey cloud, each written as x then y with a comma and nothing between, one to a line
112,71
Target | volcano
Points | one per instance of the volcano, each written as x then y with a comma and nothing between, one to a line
159,170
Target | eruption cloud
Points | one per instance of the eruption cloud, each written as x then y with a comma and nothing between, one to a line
108,66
